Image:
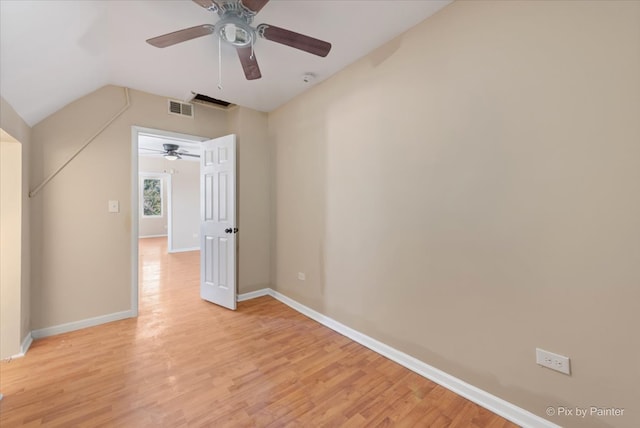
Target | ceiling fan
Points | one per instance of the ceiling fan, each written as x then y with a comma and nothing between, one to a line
234,28
171,152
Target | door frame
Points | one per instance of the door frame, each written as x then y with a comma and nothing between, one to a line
135,132
11,308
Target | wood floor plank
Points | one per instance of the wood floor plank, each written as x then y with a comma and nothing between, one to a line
187,363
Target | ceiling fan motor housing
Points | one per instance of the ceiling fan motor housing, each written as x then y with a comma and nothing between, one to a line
234,26
235,31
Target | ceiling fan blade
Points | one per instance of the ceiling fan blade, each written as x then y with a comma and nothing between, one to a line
152,150
207,4
181,35
254,5
295,40
249,65
186,154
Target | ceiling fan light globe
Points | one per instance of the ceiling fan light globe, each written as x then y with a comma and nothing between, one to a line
171,157
230,32
234,31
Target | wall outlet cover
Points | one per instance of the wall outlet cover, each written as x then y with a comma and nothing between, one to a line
553,361
114,206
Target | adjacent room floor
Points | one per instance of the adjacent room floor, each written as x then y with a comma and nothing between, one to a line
187,362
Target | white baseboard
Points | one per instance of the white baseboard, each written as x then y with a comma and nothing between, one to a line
253,294
489,401
152,236
77,325
24,347
26,343
184,250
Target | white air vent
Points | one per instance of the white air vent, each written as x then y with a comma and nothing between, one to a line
180,109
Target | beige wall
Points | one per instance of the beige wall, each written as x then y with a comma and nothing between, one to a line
82,253
12,124
253,198
471,191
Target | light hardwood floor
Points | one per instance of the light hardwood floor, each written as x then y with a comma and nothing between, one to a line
186,362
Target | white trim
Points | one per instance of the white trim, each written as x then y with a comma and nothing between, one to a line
135,189
184,250
169,212
254,294
152,236
24,347
489,401
77,325
26,343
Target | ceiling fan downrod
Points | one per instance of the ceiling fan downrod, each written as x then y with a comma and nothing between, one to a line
219,63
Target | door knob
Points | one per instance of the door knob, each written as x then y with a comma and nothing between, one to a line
229,230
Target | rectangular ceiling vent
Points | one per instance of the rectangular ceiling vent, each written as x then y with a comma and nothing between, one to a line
210,101
180,109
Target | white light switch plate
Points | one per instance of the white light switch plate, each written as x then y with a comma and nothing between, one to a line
114,206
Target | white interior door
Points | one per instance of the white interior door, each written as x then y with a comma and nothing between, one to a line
218,221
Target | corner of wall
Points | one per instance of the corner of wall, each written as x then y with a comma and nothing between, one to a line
17,127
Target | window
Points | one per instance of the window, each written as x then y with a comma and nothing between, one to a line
151,197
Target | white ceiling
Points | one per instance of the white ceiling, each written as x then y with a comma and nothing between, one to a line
55,51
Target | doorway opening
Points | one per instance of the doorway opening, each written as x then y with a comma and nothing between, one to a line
165,214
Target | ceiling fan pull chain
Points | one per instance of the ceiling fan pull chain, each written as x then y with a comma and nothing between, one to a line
219,63
252,41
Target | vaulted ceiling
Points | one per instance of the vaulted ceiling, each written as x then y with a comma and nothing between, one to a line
55,51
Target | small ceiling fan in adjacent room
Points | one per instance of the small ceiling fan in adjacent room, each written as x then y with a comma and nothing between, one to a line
234,28
171,152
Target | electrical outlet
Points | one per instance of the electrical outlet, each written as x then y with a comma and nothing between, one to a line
114,206
301,276
556,362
